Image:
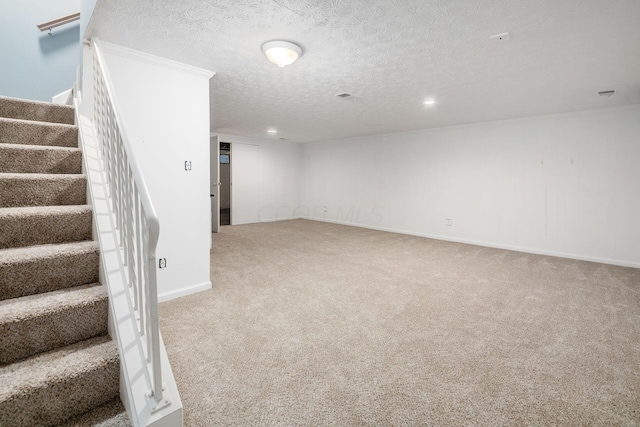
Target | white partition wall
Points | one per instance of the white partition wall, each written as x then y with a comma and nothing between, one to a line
165,106
566,184
245,184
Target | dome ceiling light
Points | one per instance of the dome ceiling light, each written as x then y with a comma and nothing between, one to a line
281,52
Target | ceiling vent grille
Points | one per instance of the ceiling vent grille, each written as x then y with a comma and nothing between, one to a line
607,93
344,95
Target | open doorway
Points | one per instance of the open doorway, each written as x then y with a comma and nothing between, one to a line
225,183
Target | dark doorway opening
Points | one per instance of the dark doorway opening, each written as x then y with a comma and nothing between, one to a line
225,183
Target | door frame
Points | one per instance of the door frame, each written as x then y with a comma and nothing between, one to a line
214,183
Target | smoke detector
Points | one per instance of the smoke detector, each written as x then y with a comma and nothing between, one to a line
502,37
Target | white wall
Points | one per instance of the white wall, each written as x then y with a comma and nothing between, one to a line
246,184
165,106
34,65
278,195
566,184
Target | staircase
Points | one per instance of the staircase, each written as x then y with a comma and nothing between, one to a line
58,365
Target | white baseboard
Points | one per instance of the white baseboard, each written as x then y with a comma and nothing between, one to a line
486,244
63,98
280,219
193,289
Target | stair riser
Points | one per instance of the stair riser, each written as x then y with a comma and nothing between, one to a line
29,230
49,274
111,414
32,133
30,110
28,191
14,159
34,335
62,400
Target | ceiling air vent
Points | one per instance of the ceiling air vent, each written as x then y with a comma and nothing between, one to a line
607,93
347,96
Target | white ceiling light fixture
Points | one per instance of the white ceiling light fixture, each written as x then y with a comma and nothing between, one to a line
272,131
281,52
430,102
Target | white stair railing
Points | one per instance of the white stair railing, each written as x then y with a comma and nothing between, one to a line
136,220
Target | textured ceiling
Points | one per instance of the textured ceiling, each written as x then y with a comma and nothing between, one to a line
392,55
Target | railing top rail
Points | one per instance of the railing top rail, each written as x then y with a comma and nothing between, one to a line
57,22
150,215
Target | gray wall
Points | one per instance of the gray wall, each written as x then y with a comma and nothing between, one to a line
34,65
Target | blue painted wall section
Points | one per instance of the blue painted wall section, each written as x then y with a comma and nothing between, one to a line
34,65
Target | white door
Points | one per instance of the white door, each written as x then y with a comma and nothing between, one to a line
214,184
245,184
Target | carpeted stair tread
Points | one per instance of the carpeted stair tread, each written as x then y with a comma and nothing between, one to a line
44,268
20,158
38,225
17,131
36,110
57,363
111,414
36,189
38,323
53,387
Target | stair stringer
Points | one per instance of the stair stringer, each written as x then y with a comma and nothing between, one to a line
135,385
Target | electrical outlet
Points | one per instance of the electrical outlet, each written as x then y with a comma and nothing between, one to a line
325,209
163,262
187,165
448,222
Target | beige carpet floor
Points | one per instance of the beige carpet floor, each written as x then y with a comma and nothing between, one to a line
315,324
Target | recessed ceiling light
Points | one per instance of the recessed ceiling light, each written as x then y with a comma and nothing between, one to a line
272,131
430,102
281,52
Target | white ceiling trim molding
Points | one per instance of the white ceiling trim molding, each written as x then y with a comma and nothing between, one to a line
137,55
632,108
